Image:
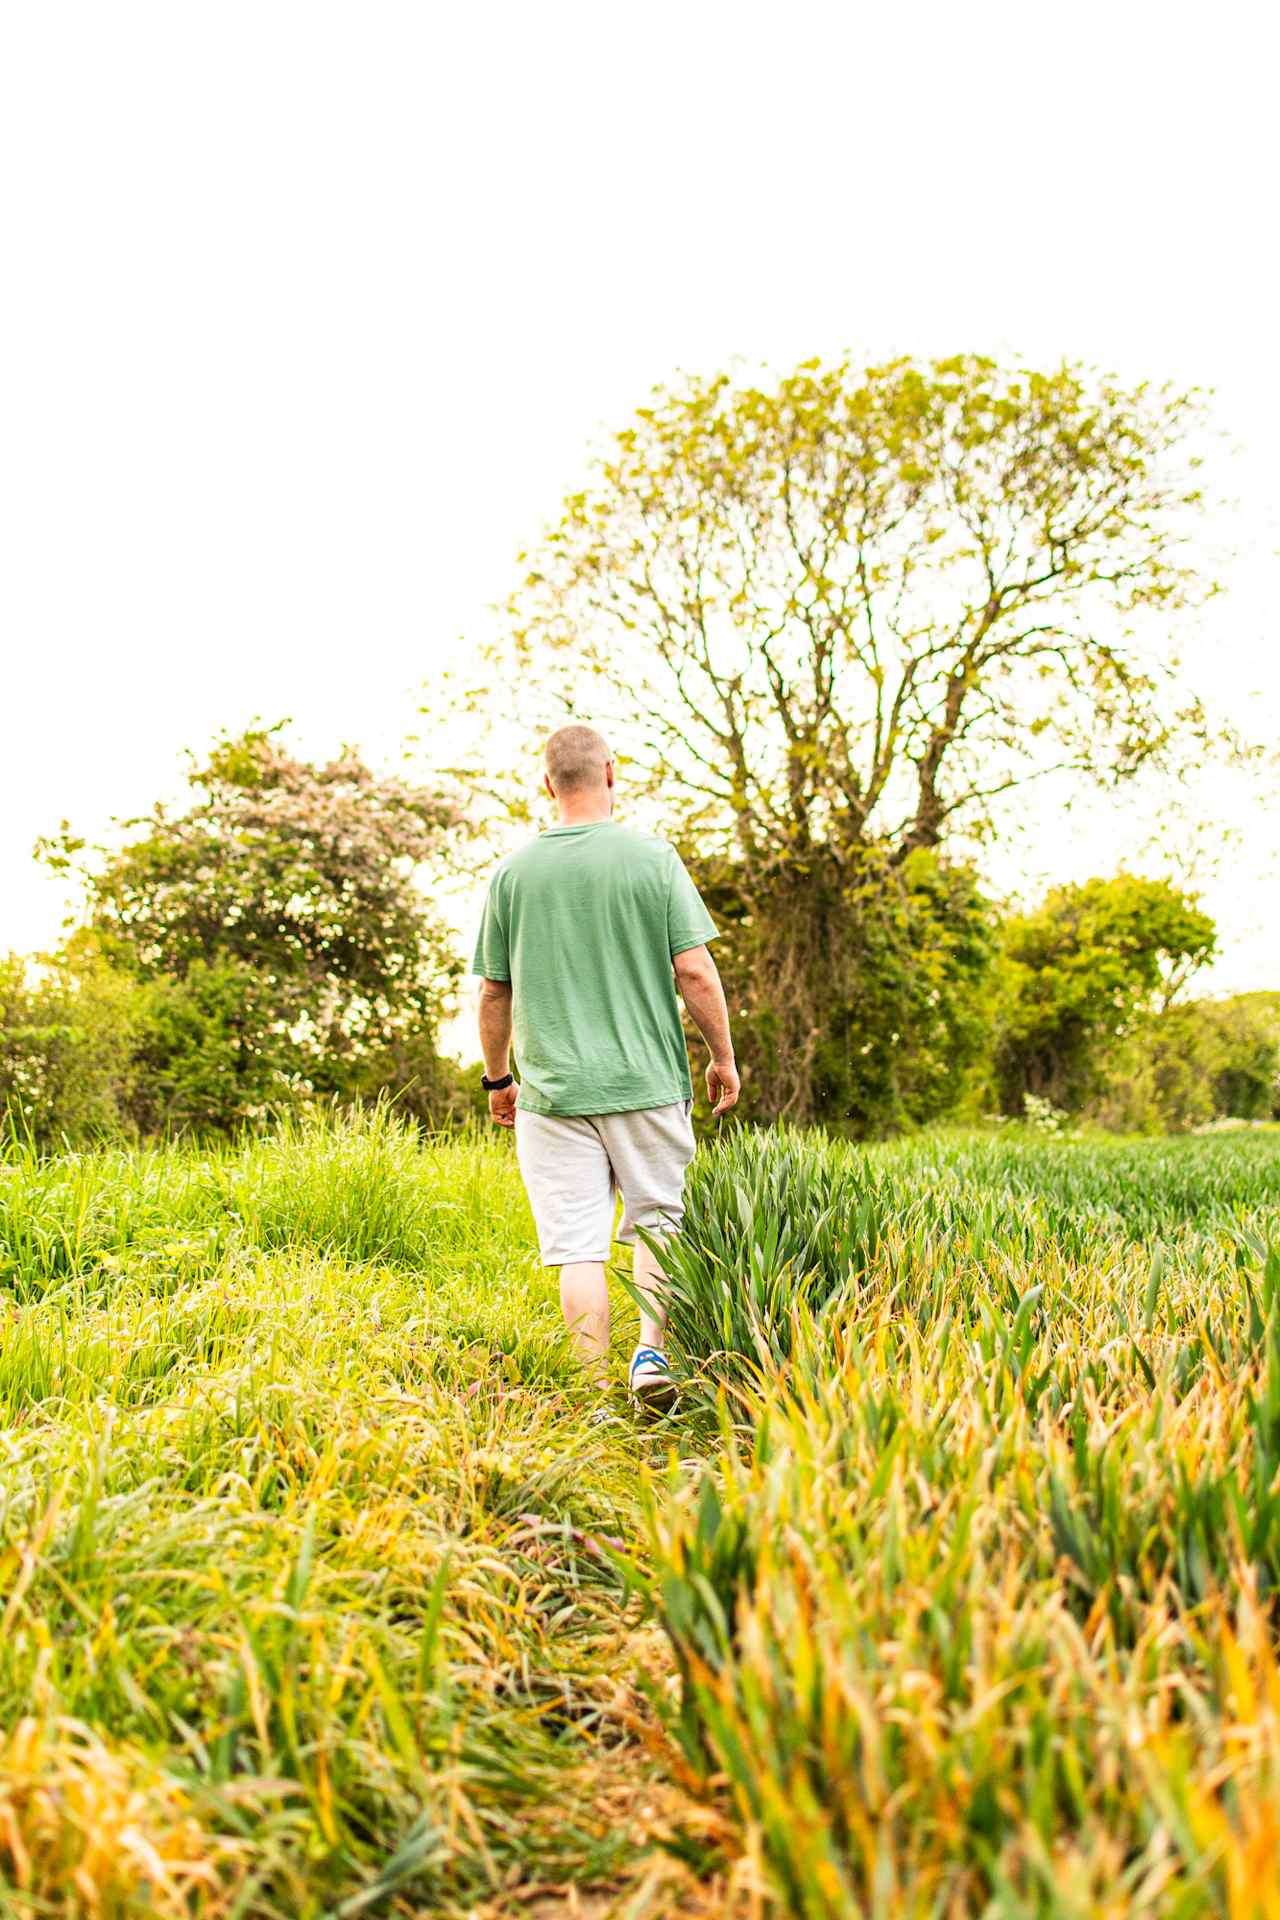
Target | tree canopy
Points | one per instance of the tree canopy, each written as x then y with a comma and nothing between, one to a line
858,604
278,924
1080,970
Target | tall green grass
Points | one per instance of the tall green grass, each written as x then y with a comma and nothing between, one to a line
778,1221
321,1593
303,1532
975,1608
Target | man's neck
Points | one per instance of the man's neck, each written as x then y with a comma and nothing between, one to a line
580,820
586,815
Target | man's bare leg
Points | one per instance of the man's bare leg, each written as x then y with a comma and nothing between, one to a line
584,1302
649,1279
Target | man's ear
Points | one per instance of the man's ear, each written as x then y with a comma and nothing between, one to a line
546,781
608,773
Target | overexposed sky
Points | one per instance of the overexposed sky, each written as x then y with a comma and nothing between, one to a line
311,313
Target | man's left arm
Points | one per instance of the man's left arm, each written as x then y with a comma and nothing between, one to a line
495,1046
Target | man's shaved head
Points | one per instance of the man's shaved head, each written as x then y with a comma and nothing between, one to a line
576,759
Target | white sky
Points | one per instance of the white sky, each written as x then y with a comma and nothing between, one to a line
311,313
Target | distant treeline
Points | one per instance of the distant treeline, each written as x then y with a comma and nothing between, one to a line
271,946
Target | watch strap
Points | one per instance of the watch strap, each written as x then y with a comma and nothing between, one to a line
496,1086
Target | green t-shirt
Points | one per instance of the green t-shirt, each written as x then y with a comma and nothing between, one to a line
584,921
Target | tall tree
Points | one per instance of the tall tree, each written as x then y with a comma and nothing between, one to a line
849,609
861,604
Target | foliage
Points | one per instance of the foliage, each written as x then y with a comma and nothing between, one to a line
1041,1116
89,1050
1204,1060
1079,971
779,1222
67,1041
212,1051
890,959
915,1021
769,1226
854,603
1245,1054
425,1085
278,927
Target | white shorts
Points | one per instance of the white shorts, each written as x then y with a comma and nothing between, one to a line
574,1167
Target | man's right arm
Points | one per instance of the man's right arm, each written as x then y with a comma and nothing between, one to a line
495,1046
698,979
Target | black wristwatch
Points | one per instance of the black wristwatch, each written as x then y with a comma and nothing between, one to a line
496,1086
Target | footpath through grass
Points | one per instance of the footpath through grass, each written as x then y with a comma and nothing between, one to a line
951,1591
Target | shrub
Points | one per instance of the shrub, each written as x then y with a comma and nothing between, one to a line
857,986
1194,1063
1080,973
67,1037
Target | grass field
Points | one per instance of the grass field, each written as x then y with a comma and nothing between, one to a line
951,1590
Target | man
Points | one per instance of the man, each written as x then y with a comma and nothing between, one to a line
587,932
